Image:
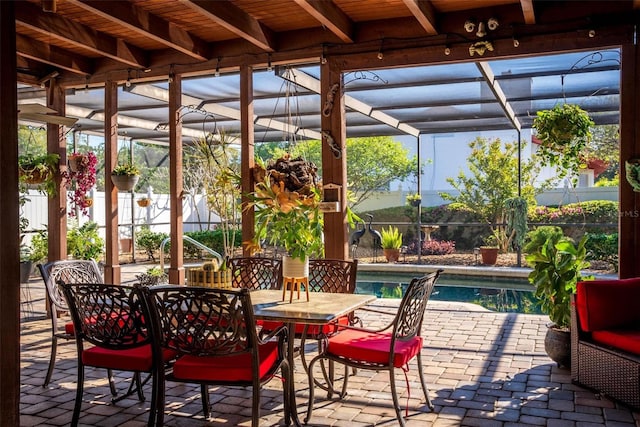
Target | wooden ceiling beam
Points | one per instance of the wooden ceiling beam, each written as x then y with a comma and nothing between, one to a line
528,12
55,26
235,20
141,22
330,16
51,55
425,13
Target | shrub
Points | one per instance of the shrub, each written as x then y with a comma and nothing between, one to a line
213,239
150,241
433,247
603,247
84,242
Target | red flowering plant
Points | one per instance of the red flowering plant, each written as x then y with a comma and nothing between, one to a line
81,173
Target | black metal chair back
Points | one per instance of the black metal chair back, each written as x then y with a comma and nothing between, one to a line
332,275
256,273
53,273
213,331
110,318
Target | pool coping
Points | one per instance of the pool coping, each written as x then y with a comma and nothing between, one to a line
457,270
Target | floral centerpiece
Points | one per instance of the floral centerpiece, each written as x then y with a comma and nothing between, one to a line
286,198
82,175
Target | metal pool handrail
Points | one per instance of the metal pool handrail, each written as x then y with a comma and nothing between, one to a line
193,242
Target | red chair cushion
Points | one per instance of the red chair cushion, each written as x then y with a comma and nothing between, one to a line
69,329
231,368
133,359
623,339
370,347
608,304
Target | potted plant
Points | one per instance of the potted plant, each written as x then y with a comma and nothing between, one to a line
81,175
153,276
414,199
391,241
39,171
564,132
489,250
286,198
557,267
211,275
144,202
125,176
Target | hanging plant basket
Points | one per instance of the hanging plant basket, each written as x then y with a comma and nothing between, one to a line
125,182
632,172
144,202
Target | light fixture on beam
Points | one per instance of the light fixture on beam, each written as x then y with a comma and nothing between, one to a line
217,72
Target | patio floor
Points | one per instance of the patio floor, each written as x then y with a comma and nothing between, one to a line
483,369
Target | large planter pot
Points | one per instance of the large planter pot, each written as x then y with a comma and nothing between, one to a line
557,344
489,255
25,271
392,255
294,267
125,182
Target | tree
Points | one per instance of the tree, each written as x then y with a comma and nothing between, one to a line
605,145
494,171
372,163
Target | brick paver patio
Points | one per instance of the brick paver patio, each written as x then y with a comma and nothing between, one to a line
483,369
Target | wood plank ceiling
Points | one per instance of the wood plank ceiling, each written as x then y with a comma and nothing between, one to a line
83,43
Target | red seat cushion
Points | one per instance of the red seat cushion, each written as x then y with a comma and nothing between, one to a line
225,368
133,359
69,329
623,339
608,304
373,348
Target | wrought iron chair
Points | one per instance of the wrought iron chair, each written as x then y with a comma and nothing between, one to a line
72,271
110,318
212,332
256,273
383,349
328,275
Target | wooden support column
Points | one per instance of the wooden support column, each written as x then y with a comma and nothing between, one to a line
247,153
629,201
9,235
57,205
334,169
176,270
112,273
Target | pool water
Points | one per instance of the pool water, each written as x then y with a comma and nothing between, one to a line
510,295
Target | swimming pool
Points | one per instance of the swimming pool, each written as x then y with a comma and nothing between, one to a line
493,293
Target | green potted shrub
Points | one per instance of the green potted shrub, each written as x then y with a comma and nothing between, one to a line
414,199
286,198
39,171
125,176
391,241
153,276
489,250
564,132
557,267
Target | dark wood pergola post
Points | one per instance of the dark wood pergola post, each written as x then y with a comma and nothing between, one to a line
176,270
57,205
112,272
10,259
334,167
247,153
629,201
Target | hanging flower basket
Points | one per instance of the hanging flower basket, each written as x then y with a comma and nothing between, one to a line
125,176
144,202
632,172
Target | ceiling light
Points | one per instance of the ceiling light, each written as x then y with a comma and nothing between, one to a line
447,50
217,73
128,82
269,66
516,42
592,33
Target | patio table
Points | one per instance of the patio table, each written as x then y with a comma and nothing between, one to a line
322,308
